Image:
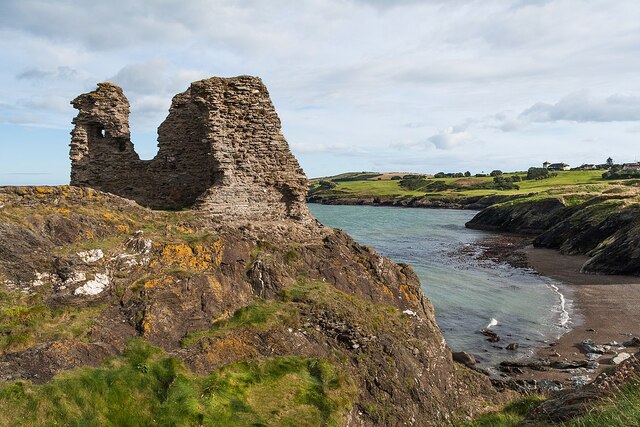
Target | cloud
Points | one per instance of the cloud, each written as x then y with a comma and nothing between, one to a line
346,71
449,138
317,148
61,73
580,107
145,77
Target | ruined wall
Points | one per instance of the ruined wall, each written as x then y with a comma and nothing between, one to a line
221,150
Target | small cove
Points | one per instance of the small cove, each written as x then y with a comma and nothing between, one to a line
468,295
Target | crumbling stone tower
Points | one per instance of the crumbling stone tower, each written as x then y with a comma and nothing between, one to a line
221,150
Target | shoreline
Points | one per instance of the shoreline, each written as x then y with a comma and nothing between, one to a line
605,305
475,203
602,308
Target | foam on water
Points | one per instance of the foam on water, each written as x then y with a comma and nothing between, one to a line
532,309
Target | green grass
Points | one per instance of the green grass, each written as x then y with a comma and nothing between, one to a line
26,320
509,416
147,387
375,188
564,181
259,316
620,410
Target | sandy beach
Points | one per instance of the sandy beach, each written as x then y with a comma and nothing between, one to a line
605,308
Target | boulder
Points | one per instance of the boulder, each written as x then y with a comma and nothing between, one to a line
464,358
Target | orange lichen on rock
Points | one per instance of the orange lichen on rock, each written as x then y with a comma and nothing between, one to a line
146,324
198,258
229,348
149,284
387,291
123,228
409,295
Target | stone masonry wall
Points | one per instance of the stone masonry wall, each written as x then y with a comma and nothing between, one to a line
221,150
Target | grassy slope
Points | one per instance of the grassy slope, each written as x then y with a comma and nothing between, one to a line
26,320
622,410
147,387
566,180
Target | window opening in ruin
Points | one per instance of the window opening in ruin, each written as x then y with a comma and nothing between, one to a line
103,133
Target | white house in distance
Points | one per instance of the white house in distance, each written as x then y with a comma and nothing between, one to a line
556,166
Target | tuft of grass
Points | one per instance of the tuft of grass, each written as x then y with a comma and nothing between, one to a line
621,410
147,387
26,320
260,315
509,416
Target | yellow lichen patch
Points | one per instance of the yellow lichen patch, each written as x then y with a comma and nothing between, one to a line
387,291
109,216
63,210
149,284
198,258
216,286
184,229
123,228
219,250
146,325
89,235
408,295
43,190
229,348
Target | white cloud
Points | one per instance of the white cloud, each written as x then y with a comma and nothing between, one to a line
580,107
352,79
61,73
449,138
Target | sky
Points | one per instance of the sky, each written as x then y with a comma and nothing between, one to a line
360,85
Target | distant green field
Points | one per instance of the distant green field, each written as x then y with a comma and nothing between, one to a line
571,181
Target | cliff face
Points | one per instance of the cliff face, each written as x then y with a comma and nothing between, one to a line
307,326
221,150
107,270
607,229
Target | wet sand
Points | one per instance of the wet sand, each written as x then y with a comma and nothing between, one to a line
606,307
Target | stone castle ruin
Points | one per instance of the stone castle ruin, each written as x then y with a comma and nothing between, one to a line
221,151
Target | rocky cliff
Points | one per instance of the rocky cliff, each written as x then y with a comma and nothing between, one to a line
605,228
189,319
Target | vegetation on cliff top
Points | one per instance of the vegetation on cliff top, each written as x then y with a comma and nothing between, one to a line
145,386
365,186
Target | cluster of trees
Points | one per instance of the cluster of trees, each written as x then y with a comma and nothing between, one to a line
535,174
616,172
452,175
420,183
506,183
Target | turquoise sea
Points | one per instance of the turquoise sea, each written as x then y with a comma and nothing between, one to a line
520,305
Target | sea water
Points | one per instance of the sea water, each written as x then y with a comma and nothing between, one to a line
518,304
